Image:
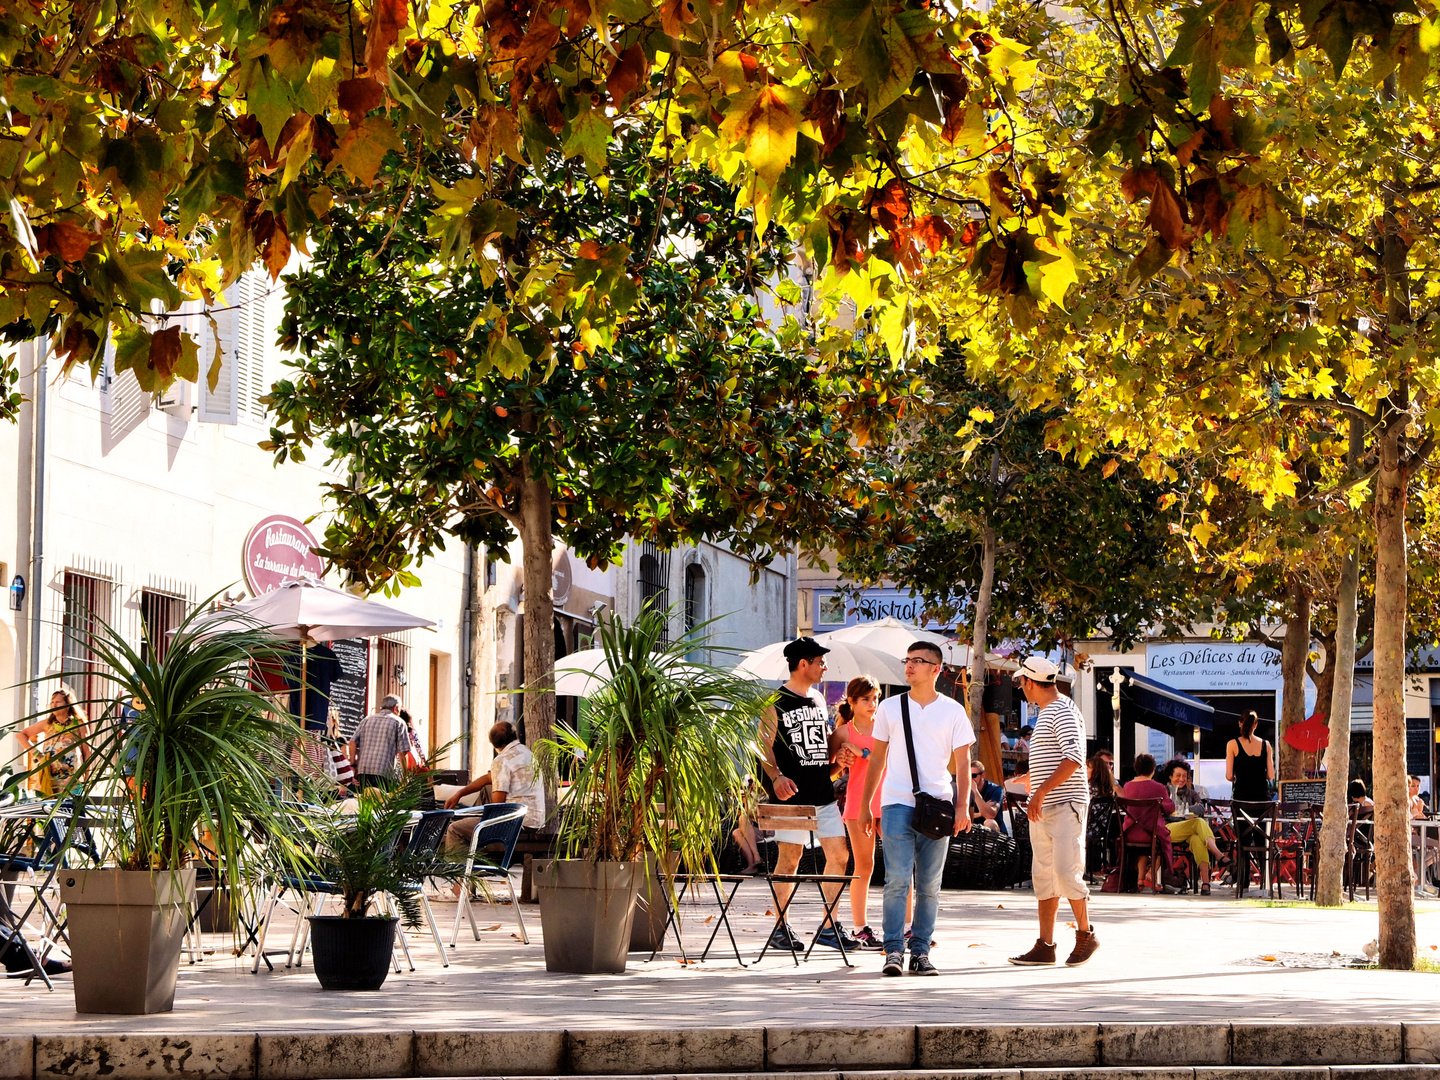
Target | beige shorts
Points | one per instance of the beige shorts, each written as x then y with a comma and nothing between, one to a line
1057,845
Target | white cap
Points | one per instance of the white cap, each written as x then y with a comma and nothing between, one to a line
1037,669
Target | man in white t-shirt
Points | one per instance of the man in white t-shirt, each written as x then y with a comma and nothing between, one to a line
943,737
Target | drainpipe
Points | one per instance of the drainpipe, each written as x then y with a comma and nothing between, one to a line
467,652
37,543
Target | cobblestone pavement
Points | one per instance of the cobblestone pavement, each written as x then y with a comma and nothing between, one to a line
1162,959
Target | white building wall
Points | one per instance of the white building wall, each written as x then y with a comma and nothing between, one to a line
155,498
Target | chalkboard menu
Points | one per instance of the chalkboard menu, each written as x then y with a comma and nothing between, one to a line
1417,746
349,691
1311,792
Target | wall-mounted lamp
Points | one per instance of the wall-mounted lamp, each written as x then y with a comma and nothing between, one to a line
17,593
594,609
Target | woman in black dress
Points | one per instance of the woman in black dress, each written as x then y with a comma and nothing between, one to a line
1248,764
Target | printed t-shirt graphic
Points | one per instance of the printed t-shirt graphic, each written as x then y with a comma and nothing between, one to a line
802,746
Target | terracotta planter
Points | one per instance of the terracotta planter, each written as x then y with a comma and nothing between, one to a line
651,909
586,912
352,954
126,931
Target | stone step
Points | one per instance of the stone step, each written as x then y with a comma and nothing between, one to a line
1201,1051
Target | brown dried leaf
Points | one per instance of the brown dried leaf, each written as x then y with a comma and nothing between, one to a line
165,351
387,19
627,73
933,231
358,97
65,239
674,13
892,205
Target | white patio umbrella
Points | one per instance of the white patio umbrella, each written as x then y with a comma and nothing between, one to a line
312,609
309,611
583,673
844,662
893,638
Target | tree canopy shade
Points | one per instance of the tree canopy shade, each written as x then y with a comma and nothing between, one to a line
684,416
156,149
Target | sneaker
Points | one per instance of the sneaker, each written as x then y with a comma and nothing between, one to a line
868,939
921,965
1085,946
1038,955
827,939
784,939
894,964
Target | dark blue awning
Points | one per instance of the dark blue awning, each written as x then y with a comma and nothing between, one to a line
1167,707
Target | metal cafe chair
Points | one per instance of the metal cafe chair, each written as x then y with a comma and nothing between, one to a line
781,817
1149,815
500,826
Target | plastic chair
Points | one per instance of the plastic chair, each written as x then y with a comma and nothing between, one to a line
500,825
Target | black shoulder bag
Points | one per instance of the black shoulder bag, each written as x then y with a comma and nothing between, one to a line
934,817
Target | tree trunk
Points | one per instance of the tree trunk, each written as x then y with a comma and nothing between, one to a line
1324,680
1340,665
1393,878
1292,673
987,730
538,542
477,632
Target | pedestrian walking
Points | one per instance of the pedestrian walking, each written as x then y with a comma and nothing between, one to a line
378,742
1057,809
932,736
798,747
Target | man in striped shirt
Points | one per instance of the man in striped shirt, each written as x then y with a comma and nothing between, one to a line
1058,807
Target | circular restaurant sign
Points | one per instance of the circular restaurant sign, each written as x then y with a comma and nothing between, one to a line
280,549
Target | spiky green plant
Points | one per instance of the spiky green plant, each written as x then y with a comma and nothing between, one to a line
202,758
659,757
363,854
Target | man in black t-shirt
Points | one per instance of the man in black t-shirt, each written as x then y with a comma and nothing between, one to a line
798,748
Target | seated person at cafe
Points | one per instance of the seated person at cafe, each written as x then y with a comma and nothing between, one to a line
1358,797
1191,828
511,779
1137,832
986,799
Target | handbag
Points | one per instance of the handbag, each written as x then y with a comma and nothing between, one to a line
934,817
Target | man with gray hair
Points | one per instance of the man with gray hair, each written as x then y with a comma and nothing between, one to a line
377,744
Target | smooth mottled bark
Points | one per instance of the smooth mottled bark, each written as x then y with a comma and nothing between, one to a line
1292,673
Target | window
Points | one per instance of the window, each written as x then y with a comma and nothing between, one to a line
695,613
392,662
159,614
490,571
654,578
87,605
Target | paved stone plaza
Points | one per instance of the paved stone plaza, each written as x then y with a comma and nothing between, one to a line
1163,959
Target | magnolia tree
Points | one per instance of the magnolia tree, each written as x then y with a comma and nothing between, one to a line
611,377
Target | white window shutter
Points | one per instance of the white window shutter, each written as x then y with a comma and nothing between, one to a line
218,406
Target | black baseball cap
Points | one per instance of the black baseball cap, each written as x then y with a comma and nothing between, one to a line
804,648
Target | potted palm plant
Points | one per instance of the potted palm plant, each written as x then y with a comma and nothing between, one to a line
656,764
364,862
191,771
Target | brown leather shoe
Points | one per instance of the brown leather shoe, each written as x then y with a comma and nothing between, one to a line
1085,946
1040,954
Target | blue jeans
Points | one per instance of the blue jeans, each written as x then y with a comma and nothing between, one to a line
909,854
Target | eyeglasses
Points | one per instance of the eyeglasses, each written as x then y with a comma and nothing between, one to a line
920,660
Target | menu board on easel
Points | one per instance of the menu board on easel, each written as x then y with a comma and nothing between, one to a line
351,688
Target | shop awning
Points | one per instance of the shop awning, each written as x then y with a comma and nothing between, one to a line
1163,707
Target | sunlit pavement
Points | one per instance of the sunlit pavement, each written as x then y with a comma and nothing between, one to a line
1161,959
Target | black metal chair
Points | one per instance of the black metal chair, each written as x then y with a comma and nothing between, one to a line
426,835
1359,848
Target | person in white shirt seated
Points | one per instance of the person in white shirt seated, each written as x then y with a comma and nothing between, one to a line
511,779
